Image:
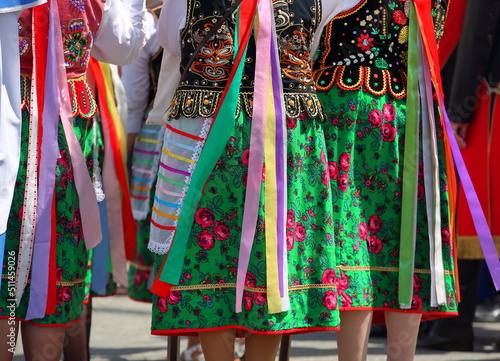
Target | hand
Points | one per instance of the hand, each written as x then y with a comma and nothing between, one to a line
460,131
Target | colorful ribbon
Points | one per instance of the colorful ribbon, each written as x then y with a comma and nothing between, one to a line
220,130
28,223
410,176
47,175
421,25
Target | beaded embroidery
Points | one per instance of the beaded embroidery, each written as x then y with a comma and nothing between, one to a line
200,90
370,48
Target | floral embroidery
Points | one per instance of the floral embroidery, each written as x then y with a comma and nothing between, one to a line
365,42
77,43
24,43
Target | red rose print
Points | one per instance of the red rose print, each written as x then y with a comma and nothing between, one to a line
345,162
64,295
330,300
204,217
174,297
260,298
289,240
389,112
248,301
329,277
291,123
374,244
342,181
374,224
362,231
300,232
250,280
446,236
290,219
388,132
138,278
221,231
346,300
420,192
161,305
333,169
416,303
245,156
417,283
343,282
375,118
206,239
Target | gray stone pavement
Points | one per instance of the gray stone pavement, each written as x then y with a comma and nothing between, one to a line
120,331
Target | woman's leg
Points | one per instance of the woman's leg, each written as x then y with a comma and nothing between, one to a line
261,347
402,333
352,339
76,341
42,343
8,329
218,345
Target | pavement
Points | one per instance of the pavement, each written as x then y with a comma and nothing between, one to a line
120,331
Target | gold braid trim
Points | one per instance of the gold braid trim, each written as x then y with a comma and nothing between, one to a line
386,269
58,283
208,286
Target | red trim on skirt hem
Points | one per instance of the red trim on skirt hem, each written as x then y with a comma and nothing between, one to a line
194,331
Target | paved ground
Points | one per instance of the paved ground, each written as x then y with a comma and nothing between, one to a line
120,331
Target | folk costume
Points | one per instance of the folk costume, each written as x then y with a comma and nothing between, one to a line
241,220
389,163
472,87
140,79
10,103
54,218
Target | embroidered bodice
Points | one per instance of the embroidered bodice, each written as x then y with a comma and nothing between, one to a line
200,88
368,47
80,20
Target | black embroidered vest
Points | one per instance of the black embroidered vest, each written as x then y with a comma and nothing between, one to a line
367,47
201,87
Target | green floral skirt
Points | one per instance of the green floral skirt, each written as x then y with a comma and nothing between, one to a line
205,298
71,254
365,143
139,272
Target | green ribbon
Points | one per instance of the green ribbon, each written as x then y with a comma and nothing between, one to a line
410,169
221,130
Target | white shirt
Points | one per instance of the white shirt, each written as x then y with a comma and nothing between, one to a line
123,32
136,79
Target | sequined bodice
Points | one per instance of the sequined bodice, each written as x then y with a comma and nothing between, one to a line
80,21
368,46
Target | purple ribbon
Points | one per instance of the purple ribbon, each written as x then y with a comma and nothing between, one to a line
480,223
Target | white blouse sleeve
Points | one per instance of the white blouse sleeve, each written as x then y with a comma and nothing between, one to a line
136,80
330,9
122,33
172,21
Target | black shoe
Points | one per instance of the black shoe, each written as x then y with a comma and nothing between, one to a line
435,342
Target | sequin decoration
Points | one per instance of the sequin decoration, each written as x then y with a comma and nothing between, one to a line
77,44
79,4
